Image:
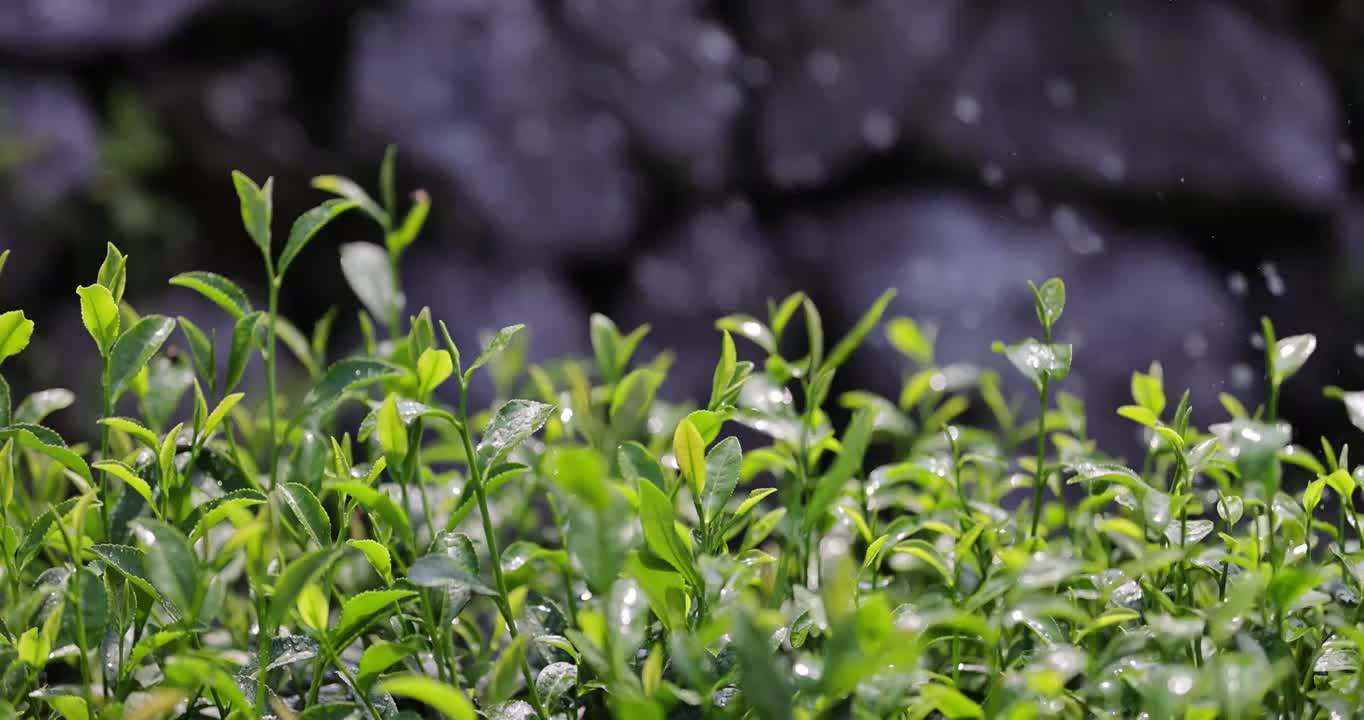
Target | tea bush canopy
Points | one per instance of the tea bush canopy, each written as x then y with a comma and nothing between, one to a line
369,545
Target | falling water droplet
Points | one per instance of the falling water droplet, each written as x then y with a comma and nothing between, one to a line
1273,281
879,129
992,174
1242,376
1238,284
967,109
825,68
1195,344
1257,341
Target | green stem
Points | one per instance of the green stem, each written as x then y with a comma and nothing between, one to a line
494,555
1040,483
270,344
104,449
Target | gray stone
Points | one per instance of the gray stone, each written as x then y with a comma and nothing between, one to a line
481,93
47,127
960,264
74,28
668,73
1127,97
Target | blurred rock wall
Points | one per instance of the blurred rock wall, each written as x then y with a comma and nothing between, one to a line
1185,166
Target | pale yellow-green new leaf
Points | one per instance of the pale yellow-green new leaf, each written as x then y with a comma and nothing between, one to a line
690,450
15,331
450,702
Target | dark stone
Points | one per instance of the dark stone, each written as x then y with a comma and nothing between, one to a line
74,28
481,93
668,73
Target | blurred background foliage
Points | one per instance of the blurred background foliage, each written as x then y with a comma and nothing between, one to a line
1186,166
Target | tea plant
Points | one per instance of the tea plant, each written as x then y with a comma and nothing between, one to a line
584,549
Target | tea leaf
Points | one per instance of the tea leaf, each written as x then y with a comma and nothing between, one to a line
15,331
222,292
450,702
257,206
306,227
100,314
134,349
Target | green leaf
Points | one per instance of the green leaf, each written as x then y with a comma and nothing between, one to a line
1289,355
246,336
15,332
331,711
306,508
222,292
904,335
313,608
1035,360
36,407
1049,300
1342,483
366,269
493,348
863,327
343,377
100,314
257,204
219,414
377,504
605,347
556,680
751,328
360,608
663,587
724,370
406,233
765,685
129,478
129,562
134,349
291,582
1148,393
223,507
637,463
377,555
506,674
148,645
450,702
350,190
172,567
849,462
1311,495
582,472
722,474
49,443
379,657
392,432
814,330
511,425
1139,415
442,570
690,451
433,368
949,701
657,518
70,707
306,226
